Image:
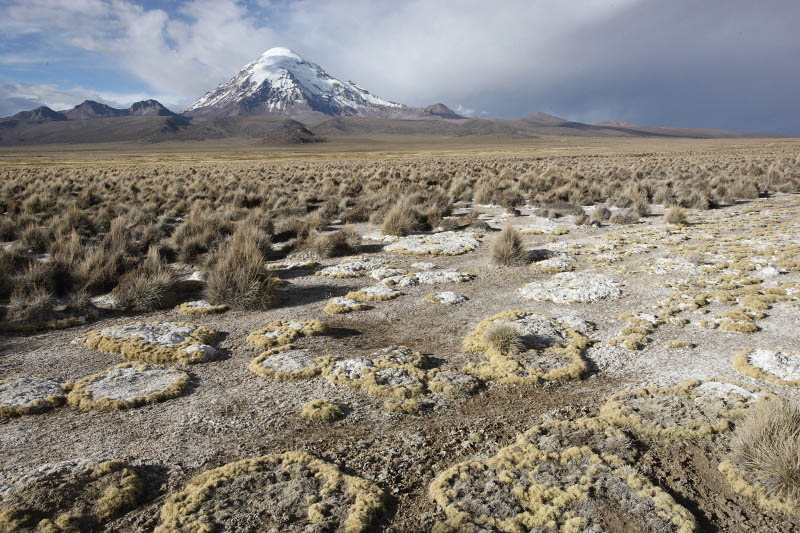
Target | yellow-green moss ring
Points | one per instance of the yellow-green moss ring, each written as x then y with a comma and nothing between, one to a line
285,331
83,397
52,394
88,496
194,510
504,368
741,362
135,348
375,376
776,504
191,310
617,411
320,410
512,475
257,366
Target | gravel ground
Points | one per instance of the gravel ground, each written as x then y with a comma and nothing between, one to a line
229,413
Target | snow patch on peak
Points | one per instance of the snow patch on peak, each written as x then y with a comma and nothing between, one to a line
281,81
279,51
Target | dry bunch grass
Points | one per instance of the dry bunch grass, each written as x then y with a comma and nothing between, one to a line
507,249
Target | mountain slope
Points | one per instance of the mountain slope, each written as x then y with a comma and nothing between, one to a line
440,110
281,82
40,114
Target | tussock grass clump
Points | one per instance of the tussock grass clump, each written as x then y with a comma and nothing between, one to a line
200,232
601,214
504,339
35,238
336,244
321,410
30,307
240,278
625,216
402,219
8,229
508,250
765,451
151,286
676,215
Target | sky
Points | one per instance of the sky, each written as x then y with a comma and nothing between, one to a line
728,64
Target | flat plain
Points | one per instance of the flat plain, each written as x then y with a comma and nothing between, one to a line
398,335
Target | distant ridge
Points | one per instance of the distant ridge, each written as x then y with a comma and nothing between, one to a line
40,114
442,111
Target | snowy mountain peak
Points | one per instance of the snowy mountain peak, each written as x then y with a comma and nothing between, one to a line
281,82
280,51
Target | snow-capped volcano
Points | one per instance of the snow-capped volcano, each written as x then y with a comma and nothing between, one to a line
281,82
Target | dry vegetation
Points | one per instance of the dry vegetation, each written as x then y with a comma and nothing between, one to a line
116,227
251,236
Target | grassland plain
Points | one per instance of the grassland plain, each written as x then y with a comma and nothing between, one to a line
687,299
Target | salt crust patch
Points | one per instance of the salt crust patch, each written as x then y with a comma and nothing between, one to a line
209,352
354,268
11,483
104,301
352,369
378,292
275,333
289,361
449,298
381,274
447,276
665,265
291,265
570,287
541,226
445,243
198,304
400,281
723,390
558,263
128,383
424,266
28,391
784,366
576,323
163,334
342,301
536,332
395,377
459,382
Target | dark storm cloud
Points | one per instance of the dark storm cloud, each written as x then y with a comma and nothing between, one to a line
717,63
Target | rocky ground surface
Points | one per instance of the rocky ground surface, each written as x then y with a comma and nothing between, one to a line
659,305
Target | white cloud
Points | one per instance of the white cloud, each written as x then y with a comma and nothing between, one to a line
465,111
645,61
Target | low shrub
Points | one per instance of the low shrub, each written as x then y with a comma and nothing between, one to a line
239,277
504,339
625,216
765,445
507,249
151,286
336,244
676,215
403,219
